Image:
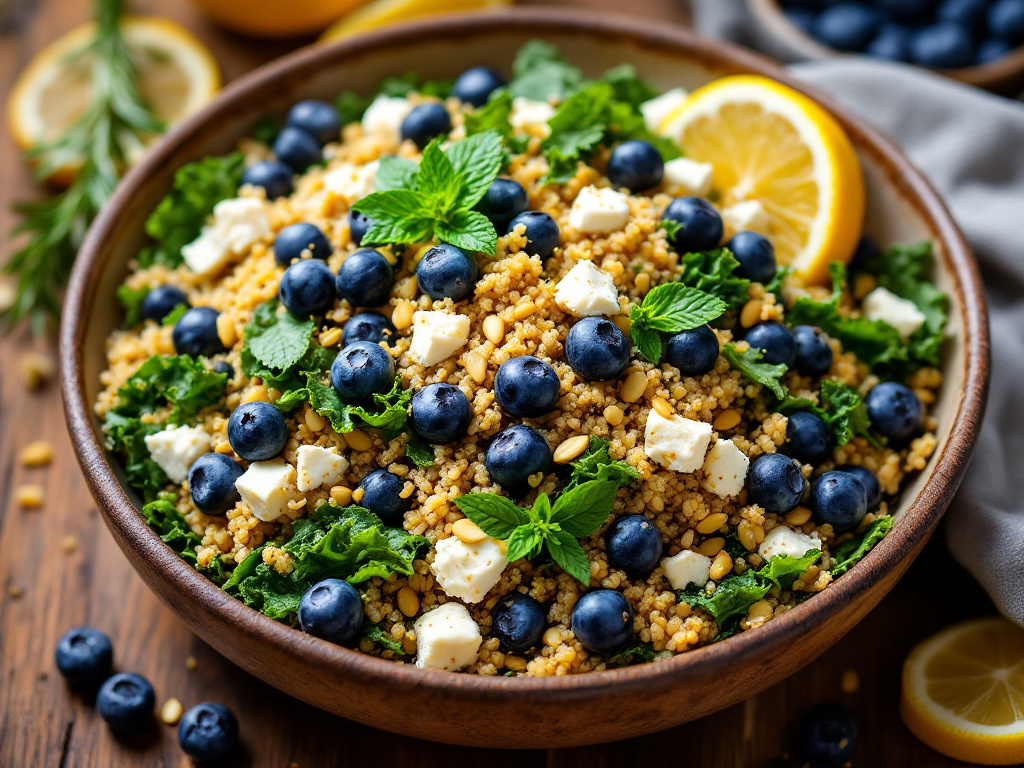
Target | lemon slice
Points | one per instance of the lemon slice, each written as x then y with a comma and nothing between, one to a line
273,18
779,153
177,75
963,692
379,13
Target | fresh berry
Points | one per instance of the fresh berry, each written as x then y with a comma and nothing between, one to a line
257,431
847,26
756,256
308,288
364,279
296,238
358,224
526,387
382,495
518,622
808,438
895,411
602,621
208,732
275,177
870,482
813,353
700,227
84,656
317,118
447,272
195,333
211,483
693,352
828,736
424,122
596,349
636,165
368,326
634,545
332,610
775,483
441,413
163,300
775,340
503,201
515,454
476,84
542,233
944,45
296,148
360,370
839,499
126,702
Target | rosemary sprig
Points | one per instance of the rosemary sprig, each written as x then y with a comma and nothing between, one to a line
99,145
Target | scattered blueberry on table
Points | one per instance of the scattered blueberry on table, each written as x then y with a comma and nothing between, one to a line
828,735
84,656
126,702
208,732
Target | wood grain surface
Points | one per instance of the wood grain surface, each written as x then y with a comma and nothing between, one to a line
59,568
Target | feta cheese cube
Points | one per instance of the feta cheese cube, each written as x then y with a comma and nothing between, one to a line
746,216
174,449
527,113
687,568
725,469
238,224
785,541
587,290
437,335
599,211
902,314
384,116
692,177
661,114
267,487
446,638
468,571
677,443
316,466
351,182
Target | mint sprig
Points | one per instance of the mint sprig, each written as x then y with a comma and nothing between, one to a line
670,308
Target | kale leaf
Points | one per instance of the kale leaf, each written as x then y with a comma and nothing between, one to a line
850,552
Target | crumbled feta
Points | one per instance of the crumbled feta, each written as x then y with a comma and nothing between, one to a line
446,638
316,466
437,335
174,449
676,443
350,181
237,225
599,210
725,469
384,116
267,487
527,112
687,568
468,571
902,314
587,290
661,114
746,216
692,177
785,541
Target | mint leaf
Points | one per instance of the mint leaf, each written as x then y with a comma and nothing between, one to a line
396,216
470,231
496,515
577,128
418,450
672,228
568,555
476,160
541,73
436,180
850,552
395,173
492,116
172,317
674,307
783,570
714,272
774,286
375,634
581,510
277,339
524,541
131,299
596,464
350,106
648,343
749,364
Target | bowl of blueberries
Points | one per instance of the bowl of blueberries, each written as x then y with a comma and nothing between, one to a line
979,42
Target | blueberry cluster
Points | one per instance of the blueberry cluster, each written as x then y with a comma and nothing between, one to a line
933,33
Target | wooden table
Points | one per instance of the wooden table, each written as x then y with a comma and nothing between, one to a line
59,568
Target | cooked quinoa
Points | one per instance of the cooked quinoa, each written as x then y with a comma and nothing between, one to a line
512,311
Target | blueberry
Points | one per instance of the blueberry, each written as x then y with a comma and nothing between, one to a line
596,349
867,249
526,387
296,148
161,301
211,482
970,14
317,118
382,495
367,326
447,272
503,201
195,333
943,45
518,622
756,256
424,122
515,454
808,438
634,545
693,352
361,369
219,366
892,42
911,10
296,238
476,84
847,26
332,609
542,233
257,431
776,483
700,228
208,732
307,288
441,413
801,18
813,353
275,177
364,279
839,499
635,165
828,735
992,49
602,621
358,224
895,411
869,481
126,702
1006,20
84,656
775,340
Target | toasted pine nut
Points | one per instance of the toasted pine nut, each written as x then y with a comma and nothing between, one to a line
226,330
37,454
614,415
570,448
762,609
634,386
552,637
524,309
746,535
358,440
476,364
798,516
712,522
330,337
341,495
407,490
29,496
408,601
722,566
468,532
661,405
401,318
357,494
711,547
314,421
642,282
727,419
849,682
171,712
686,540
409,644
622,322
750,315
494,329
254,394
516,663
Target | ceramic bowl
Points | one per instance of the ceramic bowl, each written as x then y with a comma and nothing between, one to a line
501,711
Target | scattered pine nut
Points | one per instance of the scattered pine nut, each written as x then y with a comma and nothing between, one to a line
357,494
358,440
661,405
408,601
494,329
552,637
727,419
226,330
37,454
722,566
330,337
37,368
465,530
407,490
524,309
191,663
798,516
294,504
401,318
642,282
614,415
516,663
69,544
315,421
476,364
849,682
750,315
634,386
570,448
341,495
254,394
29,496
711,547
712,522
171,712
409,643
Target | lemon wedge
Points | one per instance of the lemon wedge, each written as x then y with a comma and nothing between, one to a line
781,160
177,75
963,692
379,13
273,18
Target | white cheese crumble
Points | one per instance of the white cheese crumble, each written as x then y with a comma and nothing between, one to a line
690,176
902,314
446,638
437,335
785,541
267,487
468,571
587,290
384,116
678,444
725,469
746,216
662,113
527,112
351,182
599,210
238,224
176,448
687,568
316,467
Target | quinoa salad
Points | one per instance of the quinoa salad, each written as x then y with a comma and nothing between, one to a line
497,375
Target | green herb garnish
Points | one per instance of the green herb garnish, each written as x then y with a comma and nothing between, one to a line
596,464
351,105
376,635
842,409
670,308
131,300
540,73
714,272
750,364
276,338
850,552
165,519
388,411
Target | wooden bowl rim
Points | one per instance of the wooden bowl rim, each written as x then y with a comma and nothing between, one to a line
916,523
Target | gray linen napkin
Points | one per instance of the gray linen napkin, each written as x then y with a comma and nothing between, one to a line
971,146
